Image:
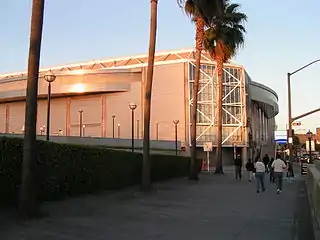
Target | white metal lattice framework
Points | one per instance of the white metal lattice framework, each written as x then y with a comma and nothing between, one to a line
234,100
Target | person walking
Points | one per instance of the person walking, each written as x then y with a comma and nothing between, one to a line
278,166
238,166
271,171
250,169
266,161
259,173
290,173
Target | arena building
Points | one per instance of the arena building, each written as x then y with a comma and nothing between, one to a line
101,92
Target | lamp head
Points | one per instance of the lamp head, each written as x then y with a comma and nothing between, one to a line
309,134
175,121
50,77
132,106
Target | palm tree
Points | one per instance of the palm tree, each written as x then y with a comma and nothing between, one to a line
28,203
146,166
201,12
223,39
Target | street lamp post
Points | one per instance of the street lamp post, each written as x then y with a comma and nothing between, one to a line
83,130
132,106
157,131
309,135
119,130
113,122
138,129
80,122
176,122
290,119
49,78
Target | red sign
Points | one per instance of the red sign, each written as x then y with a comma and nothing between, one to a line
296,124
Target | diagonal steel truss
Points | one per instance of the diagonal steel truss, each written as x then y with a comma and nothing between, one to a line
234,112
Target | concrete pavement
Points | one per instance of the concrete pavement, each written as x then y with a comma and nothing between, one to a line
217,207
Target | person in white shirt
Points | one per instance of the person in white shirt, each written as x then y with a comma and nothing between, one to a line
260,171
279,167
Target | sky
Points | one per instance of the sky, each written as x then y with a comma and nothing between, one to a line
281,37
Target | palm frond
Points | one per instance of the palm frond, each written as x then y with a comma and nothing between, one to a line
225,36
205,9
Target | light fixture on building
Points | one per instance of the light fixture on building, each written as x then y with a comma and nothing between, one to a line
78,88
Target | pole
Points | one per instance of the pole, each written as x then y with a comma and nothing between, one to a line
118,130
138,129
113,122
132,130
157,131
208,161
290,137
80,127
310,154
48,111
176,137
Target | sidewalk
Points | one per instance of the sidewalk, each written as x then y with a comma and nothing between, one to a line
217,207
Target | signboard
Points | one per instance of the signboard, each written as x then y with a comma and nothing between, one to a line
296,123
312,146
207,146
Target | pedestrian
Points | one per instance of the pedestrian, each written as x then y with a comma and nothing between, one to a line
266,161
238,166
259,173
250,169
278,166
290,173
271,171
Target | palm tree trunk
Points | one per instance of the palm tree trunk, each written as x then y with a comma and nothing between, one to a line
199,41
146,165
28,201
219,169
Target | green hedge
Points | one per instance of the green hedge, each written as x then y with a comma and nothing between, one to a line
67,170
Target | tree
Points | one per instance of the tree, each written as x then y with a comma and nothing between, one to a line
223,39
28,201
146,166
201,12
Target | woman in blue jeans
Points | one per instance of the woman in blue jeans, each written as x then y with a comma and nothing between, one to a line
260,172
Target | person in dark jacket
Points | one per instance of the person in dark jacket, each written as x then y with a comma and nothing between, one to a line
272,179
266,161
250,169
238,165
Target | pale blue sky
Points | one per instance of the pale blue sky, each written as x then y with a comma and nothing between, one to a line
282,36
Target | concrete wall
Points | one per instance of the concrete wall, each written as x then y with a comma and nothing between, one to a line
262,130
313,186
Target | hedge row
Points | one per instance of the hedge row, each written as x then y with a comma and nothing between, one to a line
67,170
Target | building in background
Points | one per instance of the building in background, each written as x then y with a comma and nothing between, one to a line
104,89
